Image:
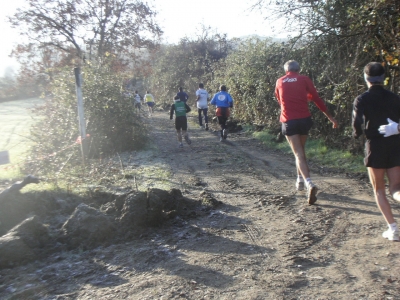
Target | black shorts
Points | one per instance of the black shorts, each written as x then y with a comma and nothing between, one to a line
222,120
297,126
181,123
382,153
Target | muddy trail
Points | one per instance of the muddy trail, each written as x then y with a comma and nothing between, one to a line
263,241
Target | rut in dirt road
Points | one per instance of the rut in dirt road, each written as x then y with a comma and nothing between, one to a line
302,246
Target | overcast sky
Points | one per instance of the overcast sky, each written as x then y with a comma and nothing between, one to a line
178,18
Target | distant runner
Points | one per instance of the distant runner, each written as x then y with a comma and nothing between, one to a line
138,101
182,95
293,91
223,101
180,108
202,105
373,110
149,99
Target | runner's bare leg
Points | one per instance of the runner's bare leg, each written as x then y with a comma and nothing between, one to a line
377,178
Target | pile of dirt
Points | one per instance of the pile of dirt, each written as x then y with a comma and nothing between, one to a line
36,224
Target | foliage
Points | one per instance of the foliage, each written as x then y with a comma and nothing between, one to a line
250,73
111,124
317,152
103,26
187,64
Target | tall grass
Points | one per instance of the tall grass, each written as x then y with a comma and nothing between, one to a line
319,153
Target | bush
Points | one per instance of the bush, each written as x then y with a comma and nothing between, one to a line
110,121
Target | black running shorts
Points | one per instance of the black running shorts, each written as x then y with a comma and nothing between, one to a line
297,126
181,123
383,153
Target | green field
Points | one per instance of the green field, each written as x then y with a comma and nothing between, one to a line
15,123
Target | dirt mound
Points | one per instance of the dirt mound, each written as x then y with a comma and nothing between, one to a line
49,222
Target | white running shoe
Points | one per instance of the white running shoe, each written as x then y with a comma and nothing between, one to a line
391,235
300,185
311,193
225,133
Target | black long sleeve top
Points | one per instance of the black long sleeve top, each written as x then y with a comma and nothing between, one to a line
372,109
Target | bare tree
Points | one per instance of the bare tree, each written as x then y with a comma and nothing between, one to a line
115,26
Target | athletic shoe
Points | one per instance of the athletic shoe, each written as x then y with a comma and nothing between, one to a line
206,126
311,193
201,127
221,139
180,145
391,235
300,185
225,133
187,139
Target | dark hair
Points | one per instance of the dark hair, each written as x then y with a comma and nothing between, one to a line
147,92
136,92
374,69
180,89
222,88
201,85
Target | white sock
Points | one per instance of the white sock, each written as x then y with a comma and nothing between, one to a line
393,227
300,178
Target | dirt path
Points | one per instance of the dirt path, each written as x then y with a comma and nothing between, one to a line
263,242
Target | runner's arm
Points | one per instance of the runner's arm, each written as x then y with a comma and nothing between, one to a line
171,111
187,108
332,119
357,118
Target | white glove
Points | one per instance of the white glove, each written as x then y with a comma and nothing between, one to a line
389,129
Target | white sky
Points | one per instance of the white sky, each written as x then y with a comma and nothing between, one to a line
178,18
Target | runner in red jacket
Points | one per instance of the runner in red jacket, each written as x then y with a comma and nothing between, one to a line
293,92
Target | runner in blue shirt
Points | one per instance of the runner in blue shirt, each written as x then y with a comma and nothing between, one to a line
223,101
182,95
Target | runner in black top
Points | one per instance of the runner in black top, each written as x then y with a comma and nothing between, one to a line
374,109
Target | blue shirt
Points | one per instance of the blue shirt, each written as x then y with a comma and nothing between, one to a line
222,99
182,96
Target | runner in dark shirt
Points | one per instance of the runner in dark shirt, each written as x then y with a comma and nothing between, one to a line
182,95
373,110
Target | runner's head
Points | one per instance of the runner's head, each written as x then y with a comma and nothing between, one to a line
180,89
374,73
136,92
222,88
147,92
201,85
292,66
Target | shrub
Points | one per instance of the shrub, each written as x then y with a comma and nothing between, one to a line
110,121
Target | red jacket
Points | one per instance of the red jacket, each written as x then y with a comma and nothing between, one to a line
293,91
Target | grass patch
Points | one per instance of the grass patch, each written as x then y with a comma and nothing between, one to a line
318,152
15,124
